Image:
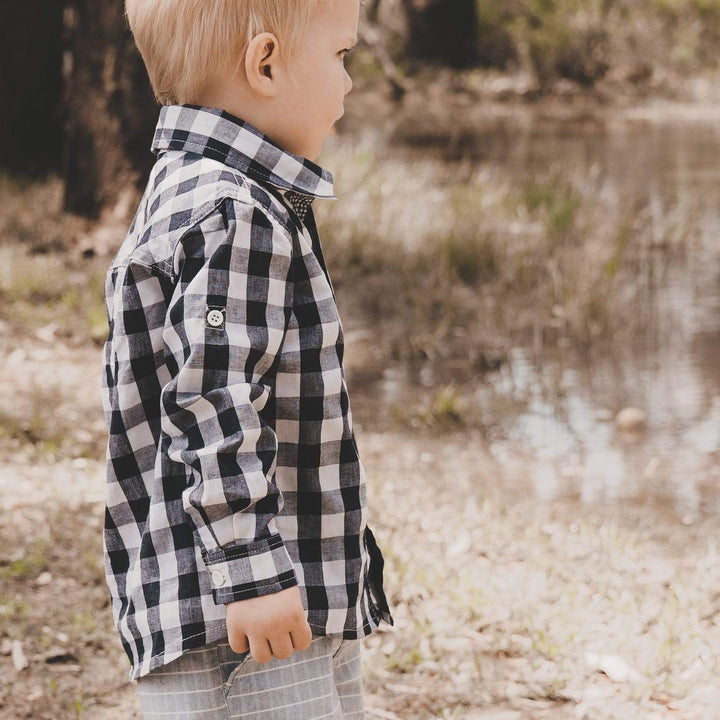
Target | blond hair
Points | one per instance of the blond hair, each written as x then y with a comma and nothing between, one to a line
185,43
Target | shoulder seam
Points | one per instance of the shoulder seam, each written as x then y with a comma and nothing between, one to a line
269,208
270,211
166,266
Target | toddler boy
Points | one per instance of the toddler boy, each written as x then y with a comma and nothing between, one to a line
241,568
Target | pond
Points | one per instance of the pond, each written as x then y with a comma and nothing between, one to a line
550,414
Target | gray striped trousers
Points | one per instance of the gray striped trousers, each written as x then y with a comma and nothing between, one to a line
323,682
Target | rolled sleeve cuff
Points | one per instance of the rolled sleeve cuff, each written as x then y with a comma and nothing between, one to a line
239,572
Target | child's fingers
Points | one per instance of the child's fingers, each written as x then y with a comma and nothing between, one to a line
281,646
301,637
260,649
239,642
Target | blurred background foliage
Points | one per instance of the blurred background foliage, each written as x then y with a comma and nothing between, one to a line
578,40
581,41
67,104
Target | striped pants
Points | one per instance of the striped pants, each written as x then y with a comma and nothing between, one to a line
323,682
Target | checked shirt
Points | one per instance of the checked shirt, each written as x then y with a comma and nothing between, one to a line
232,471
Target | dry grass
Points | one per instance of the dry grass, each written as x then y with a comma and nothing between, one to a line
47,282
548,611
561,256
510,602
54,606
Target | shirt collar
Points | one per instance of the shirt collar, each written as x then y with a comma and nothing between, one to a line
221,136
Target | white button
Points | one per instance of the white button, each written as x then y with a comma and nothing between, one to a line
219,578
215,318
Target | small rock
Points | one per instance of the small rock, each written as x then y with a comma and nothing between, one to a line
83,436
47,332
515,690
460,545
44,578
20,662
631,419
651,468
16,357
388,647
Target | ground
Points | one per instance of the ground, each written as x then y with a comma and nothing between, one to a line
505,608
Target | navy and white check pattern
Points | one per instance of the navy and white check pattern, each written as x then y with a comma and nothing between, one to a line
232,468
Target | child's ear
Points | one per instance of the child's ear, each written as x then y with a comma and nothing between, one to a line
261,61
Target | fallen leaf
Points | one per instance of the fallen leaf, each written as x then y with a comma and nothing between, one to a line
615,667
58,655
383,714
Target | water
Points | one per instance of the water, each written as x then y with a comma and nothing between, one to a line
549,415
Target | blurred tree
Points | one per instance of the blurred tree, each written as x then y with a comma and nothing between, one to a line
562,40
109,105
442,31
496,47
31,87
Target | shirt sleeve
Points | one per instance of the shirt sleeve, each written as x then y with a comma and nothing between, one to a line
225,326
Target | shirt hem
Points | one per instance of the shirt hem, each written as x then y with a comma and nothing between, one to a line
217,630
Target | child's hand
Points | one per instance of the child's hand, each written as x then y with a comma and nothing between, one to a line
269,625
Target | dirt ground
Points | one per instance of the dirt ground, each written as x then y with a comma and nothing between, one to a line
505,608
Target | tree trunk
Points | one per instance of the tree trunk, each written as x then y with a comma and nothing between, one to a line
110,109
31,87
442,31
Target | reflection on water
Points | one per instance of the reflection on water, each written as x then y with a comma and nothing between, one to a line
566,441
550,416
